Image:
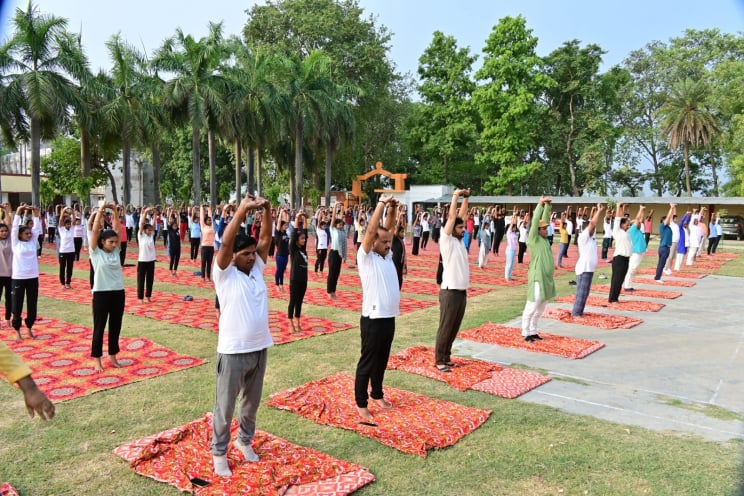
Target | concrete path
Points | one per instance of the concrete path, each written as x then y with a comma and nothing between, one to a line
673,372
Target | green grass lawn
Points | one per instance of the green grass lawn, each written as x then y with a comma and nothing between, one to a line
523,448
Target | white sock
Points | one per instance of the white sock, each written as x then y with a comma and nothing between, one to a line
247,450
221,468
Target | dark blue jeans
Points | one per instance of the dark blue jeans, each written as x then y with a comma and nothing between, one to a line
663,255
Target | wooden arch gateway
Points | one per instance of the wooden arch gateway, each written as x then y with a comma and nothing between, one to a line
399,179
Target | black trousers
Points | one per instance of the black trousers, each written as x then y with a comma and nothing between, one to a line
145,278
108,306
66,264
416,243
334,271
619,270
174,256
435,232
25,288
606,245
6,285
452,304
296,295
78,246
521,252
207,256
377,338
498,236
194,247
424,239
320,262
123,252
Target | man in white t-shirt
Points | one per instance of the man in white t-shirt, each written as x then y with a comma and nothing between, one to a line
380,306
244,334
455,280
587,262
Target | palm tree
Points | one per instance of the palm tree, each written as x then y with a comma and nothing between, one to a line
687,120
310,92
36,63
196,92
338,126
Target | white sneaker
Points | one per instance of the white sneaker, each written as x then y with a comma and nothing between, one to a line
659,281
221,468
247,450
667,271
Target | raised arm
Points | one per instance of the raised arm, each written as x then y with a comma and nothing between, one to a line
225,253
640,216
143,218
449,227
594,220
391,215
670,214
374,223
264,238
96,224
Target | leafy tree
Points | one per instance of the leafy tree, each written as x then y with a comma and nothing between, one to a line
36,64
62,169
196,92
446,125
687,120
511,81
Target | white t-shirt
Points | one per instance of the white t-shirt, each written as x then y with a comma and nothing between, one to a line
675,231
380,290
25,260
623,245
587,261
523,231
244,309
66,240
569,227
456,274
322,239
146,247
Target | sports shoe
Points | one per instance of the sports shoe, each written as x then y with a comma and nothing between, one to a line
572,283
221,467
247,450
602,276
659,281
667,271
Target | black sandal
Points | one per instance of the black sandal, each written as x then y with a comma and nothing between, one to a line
443,368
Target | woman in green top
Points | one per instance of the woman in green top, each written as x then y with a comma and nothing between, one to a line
108,286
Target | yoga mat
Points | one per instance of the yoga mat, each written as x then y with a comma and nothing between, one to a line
627,305
7,490
348,300
646,293
414,425
677,273
468,373
63,368
511,337
179,455
602,321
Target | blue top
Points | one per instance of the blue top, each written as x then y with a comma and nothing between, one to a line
107,275
637,239
666,235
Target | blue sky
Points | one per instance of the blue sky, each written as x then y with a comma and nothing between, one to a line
618,27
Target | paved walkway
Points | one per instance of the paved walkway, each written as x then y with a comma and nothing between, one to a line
670,373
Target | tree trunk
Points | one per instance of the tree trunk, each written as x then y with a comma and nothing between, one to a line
126,163
113,183
35,161
292,189
328,156
297,200
238,170
687,171
85,164
155,148
196,166
715,173
259,171
251,170
212,169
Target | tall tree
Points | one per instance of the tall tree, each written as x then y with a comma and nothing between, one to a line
196,91
37,64
446,126
688,122
507,102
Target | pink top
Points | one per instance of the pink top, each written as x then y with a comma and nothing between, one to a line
207,235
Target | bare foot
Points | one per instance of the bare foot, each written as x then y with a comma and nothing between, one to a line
365,414
114,361
385,405
30,334
19,337
148,300
292,327
98,365
298,327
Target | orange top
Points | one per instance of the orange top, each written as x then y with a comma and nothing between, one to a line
207,235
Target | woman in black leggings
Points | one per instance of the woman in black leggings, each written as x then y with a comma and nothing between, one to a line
297,274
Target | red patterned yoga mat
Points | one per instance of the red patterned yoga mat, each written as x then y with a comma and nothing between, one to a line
8,490
431,288
199,313
603,321
475,277
63,368
182,454
414,425
348,300
650,271
627,305
511,337
667,282
468,373
646,293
